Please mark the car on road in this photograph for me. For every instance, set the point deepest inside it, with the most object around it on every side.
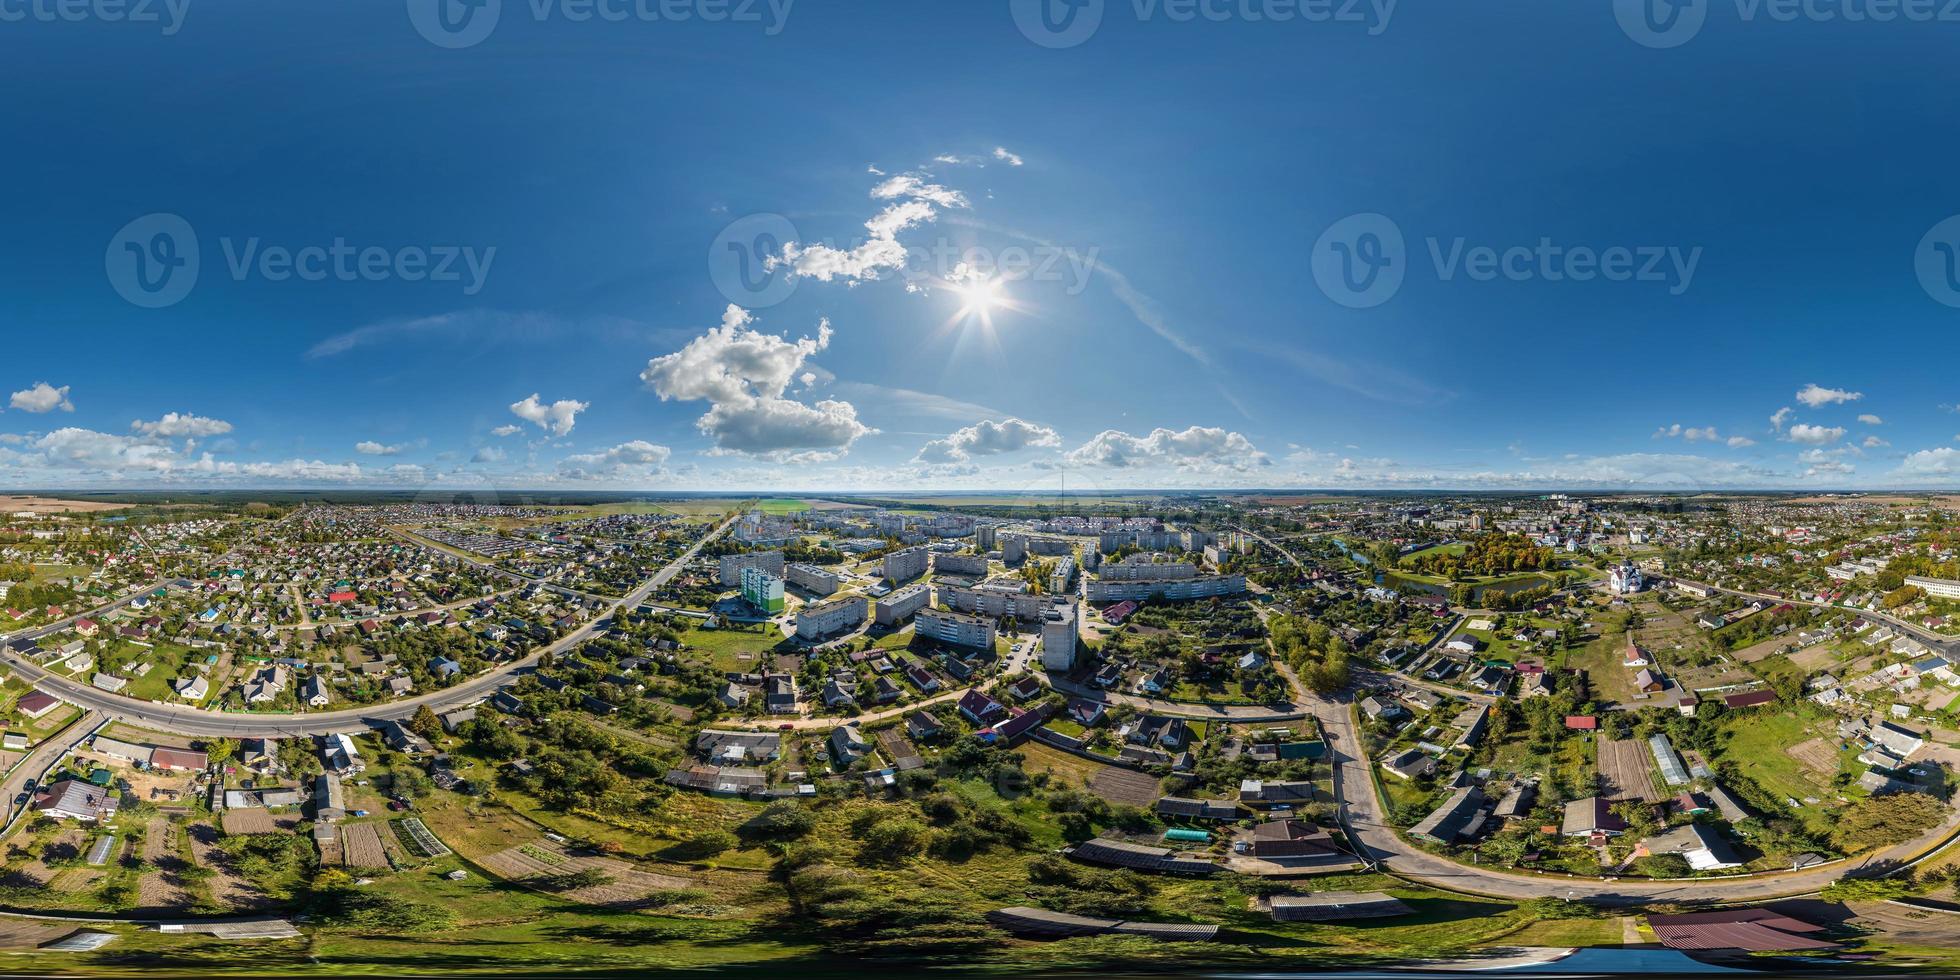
(22, 798)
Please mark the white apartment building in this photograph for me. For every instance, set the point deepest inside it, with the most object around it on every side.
(814, 622)
(893, 608)
(1060, 620)
(1015, 548)
(771, 562)
(904, 566)
(1176, 590)
(1063, 576)
(821, 581)
(956, 629)
(1938, 588)
(993, 599)
(960, 564)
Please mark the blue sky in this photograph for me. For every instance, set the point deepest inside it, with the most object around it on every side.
(1731, 272)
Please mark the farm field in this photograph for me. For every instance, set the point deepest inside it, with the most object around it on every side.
(1626, 771)
(1114, 783)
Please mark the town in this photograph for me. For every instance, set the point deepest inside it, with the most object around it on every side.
(1724, 726)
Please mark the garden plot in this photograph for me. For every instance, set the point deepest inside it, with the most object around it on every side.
(1817, 755)
(227, 888)
(250, 820)
(542, 859)
(1625, 771)
(360, 846)
(160, 888)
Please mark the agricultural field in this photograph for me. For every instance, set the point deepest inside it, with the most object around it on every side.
(1626, 771)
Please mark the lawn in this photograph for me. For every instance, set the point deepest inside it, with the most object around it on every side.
(725, 646)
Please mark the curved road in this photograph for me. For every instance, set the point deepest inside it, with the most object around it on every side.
(1364, 814)
(185, 720)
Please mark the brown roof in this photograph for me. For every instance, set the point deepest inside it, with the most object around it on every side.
(1756, 930)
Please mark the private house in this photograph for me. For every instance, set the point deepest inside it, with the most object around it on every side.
(981, 709)
(1591, 818)
(1459, 818)
(75, 799)
(1409, 764)
(314, 692)
(736, 748)
(1183, 808)
(1703, 849)
(192, 688)
(1379, 710)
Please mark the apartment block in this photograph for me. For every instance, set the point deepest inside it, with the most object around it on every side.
(817, 621)
(904, 566)
(893, 608)
(770, 562)
(821, 581)
(1060, 621)
(956, 629)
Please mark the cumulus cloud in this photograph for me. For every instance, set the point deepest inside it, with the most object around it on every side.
(557, 418)
(1011, 159)
(1871, 420)
(1874, 442)
(1944, 461)
(743, 375)
(488, 454)
(988, 438)
(1817, 396)
(1815, 435)
(1781, 417)
(42, 398)
(1677, 431)
(914, 202)
(506, 430)
(1197, 447)
(1737, 442)
(1823, 463)
(372, 448)
(638, 458)
(175, 426)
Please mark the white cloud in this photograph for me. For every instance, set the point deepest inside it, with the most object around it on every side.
(1824, 463)
(1011, 159)
(1818, 397)
(988, 438)
(488, 454)
(1871, 420)
(558, 418)
(743, 374)
(915, 202)
(1737, 442)
(1193, 448)
(372, 448)
(1676, 431)
(638, 458)
(506, 430)
(175, 426)
(1944, 461)
(41, 398)
(1781, 417)
(1815, 435)
(1874, 442)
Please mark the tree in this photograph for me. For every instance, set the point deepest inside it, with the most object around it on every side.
(892, 841)
(703, 845)
(1883, 821)
(426, 724)
(221, 750)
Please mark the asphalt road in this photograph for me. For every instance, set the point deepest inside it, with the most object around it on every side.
(1364, 814)
(186, 720)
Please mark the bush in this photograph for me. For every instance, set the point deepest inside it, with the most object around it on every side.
(702, 846)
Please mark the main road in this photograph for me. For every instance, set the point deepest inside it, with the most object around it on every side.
(186, 720)
(1363, 814)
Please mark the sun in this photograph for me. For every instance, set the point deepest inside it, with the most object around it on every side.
(980, 297)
